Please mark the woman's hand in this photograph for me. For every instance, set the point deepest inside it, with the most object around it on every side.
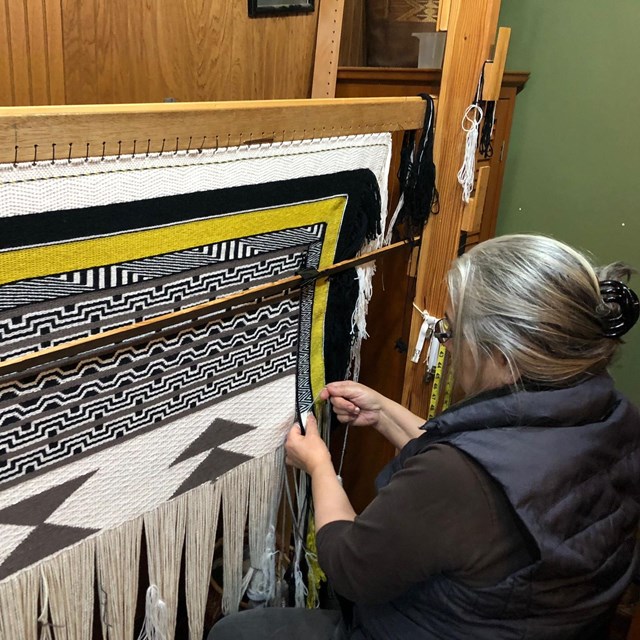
(354, 403)
(361, 406)
(307, 452)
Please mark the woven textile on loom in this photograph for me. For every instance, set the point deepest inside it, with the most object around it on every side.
(153, 436)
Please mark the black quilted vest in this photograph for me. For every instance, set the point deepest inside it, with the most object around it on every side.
(569, 462)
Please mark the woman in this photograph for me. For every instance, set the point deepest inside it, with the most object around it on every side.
(513, 514)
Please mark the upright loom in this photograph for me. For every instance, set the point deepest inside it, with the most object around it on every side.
(177, 283)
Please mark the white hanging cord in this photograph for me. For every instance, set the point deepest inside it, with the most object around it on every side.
(426, 330)
(43, 619)
(471, 125)
(394, 217)
(156, 620)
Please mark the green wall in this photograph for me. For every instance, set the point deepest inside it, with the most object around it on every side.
(573, 170)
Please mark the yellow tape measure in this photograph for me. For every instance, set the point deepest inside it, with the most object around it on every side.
(448, 389)
(437, 380)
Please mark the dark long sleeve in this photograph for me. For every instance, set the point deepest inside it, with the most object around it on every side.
(440, 513)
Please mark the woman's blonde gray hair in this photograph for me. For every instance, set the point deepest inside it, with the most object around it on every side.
(534, 302)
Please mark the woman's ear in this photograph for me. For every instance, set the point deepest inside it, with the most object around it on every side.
(497, 371)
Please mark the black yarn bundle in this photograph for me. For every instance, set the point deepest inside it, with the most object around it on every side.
(417, 176)
(485, 147)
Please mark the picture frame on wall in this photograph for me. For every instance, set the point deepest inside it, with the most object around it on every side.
(259, 8)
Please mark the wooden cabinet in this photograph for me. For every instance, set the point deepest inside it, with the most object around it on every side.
(384, 352)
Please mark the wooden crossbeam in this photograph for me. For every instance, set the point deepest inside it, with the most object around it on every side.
(45, 133)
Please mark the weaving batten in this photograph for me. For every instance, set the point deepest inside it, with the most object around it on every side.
(169, 322)
(235, 504)
(164, 532)
(117, 551)
(69, 578)
(19, 606)
(203, 510)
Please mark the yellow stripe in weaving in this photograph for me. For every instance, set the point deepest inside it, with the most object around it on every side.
(34, 262)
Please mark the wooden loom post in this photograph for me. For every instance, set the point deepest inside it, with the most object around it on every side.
(325, 66)
(471, 31)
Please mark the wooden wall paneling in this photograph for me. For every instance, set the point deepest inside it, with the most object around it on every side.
(79, 25)
(110, 40)
(31, 56)
(6, 75)
(353, 48)
(55, 51)
(117, 51)
(19, 56)
(37, 59)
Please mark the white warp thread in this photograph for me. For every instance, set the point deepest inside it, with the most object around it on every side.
(471, 125)
(43, 618)
(203, 509)
(117, 552)
(267, 474)
(365, 275)
(235, 505)
(302, 497)
(19, 606)
(164, 532)
(68, 581)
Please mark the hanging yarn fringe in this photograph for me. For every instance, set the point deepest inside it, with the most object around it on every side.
(364, 275)
(19, 606)
(299, 512)
(164, 531)
(203, 509)
(235, 503)
(118, 550)
(470, 125)
(55, 598)
(417, 177)
(485, 145)
(68, 580)
(265, 491)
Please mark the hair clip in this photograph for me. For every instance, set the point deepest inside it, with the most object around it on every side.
(616, 322)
